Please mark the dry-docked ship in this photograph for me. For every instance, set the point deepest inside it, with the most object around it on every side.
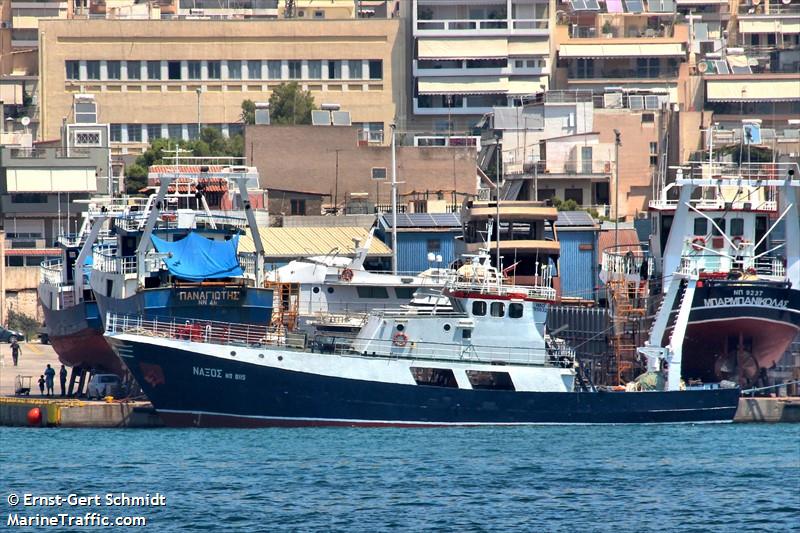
(485, 360)
(743, 283)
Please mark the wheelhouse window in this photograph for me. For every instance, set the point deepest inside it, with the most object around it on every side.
(498, 309)
(434, 377)
(482, 380)
(737, 227)
(479, 308)
(372, 292)
(701, 226)
(719, 229)
(515, 310)
(404, 293)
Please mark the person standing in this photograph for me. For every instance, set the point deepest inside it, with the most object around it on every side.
(41, 385)
(15, 351)
(49, 375)
(62, 374)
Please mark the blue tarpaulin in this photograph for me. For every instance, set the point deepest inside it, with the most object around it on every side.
(195, 258)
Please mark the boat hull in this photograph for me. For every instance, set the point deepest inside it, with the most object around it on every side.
(235, 304)
(191, 388)
(736, 329)
(76, 334)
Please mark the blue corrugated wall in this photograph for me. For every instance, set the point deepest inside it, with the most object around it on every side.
(578, 267)
(413, 248)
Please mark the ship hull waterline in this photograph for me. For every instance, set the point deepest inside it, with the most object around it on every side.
(190, 388)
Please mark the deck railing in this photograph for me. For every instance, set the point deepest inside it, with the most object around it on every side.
(258, 336)
(51, 272)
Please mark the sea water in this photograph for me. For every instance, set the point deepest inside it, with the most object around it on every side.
(545, 478)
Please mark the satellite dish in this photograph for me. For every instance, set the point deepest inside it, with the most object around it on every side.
(25, 121)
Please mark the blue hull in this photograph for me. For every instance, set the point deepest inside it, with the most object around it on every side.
(269, 396)
(236, 304)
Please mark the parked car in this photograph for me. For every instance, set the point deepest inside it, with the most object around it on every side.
(102, 385)
(9, 335)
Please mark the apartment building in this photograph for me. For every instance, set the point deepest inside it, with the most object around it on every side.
(623, 45)
(470, 56)
(168, 78)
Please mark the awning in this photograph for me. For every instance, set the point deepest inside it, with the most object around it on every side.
(529, 48)
(622, 50)
(527, 85)
(462, 48)
(768, 90)
(769, 26)
(464, 85)
(51, 180)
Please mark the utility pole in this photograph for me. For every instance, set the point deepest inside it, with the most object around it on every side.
(2, 278)
(199, 92)
(336, 186)
(617, 143)
(498, 154)
(394, 197)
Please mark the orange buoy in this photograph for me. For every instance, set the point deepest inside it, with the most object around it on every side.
(35, 417)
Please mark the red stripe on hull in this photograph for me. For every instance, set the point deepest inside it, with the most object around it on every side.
(184, 420)
(708, 351)
(87, 348)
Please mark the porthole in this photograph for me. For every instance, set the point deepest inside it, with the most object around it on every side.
(233, 354)
(400, 327)
(315, 290)
(261, 356)
(447, 327)
(280, 358)
(330, 290)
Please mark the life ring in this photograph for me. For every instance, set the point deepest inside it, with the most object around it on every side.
(400, 339)
(346, 275)
(698, 243)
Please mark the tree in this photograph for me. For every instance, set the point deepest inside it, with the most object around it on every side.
(289, 104)
(135, 178)
(248, 112)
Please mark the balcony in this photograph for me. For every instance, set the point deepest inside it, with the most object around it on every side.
(764, 9)
(480, 19)
(468, 67)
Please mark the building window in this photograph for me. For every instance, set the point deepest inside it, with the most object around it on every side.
(298, 207)
(113, 70)
(236, 128)
(175, 131)
(92, 70)
(497, 309)
(26, 198)
(547, 194)
(73, 70)
(87, 138)
(274, 69)
(194, 131)
(372, 292)
(376, 69)
(295, 70)
(315, 70)
(254, 70)
(515, 310)
(356, 70)
(648, 118)
(86, 112)
(154, 70)
(214, 70)
(134, 69)
(334, 70)
(434, 245)
(319, 14)
(574, 194)
(134, 133)
(585, 68)
(174, 70)
(234, 70)
(479, 308)
(653, 154)
(116, 133)
(194, 69)
(153, 132)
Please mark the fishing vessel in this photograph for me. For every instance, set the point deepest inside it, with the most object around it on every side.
(717, 222)
(486, 360)
(175, 259)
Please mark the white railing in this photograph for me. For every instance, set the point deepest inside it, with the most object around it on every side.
(258, 336)
(51, 272)
(717, 265)
(627, 261)
(534, 292)
(520, 25)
